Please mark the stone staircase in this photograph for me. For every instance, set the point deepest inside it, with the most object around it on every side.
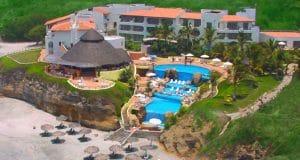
(120, 135)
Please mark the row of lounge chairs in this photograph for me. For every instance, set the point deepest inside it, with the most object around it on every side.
(177, 81)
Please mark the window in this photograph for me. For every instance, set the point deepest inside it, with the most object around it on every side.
(138, 19)
(137, 37)
(232, 26)
(208, 24)
(152, 21)
(138, 28)
(115, 24)
(246, 26)
(197, 23)
(50, 47)
(185, 22)
(296, 44)
(232, 35)
(168, 21)
(125, 27)
(59, 43)
(150, 29)
(126, 18)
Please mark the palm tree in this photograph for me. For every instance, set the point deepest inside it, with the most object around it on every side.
(186, 34)
(241, 40)
(209, 38)
(214, 75)
(163, 31)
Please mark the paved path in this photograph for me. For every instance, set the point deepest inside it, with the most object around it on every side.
(8, 48)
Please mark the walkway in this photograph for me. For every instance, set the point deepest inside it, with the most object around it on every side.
(265, 98)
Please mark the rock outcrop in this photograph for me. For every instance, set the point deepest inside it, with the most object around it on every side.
(185, 138)
(54, 98)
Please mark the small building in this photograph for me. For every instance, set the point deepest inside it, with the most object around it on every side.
(91, 55)
(291, 39)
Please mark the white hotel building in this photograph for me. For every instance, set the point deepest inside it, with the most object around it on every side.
(135, 21)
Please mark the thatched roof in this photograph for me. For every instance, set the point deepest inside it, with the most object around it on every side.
(93, 51)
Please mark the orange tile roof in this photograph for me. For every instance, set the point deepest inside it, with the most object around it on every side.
(235, 18)
(102, 10)
(57, 20)
(191, 15)
(66, 26)
(156, 12)
(283, 34)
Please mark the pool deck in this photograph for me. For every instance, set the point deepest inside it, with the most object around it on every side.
(142, 81)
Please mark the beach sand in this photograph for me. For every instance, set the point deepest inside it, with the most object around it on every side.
(20, 141)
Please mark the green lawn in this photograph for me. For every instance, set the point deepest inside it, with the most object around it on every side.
(111, 75)
(276, 126)
(118, 95)
(29, 56)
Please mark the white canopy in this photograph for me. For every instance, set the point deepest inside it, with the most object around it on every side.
(189, 55)
(150, 74)
(140, 95)
(228, 63)
(216, 60)
(281, 43)
(145, 59)
(204, 56)
(155, 121)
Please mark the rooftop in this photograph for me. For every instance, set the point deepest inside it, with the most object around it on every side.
(191, 15)
(102, 10)
(235, 18)
(59, 19)
(156, 12)
(66, 26)
(283, 34)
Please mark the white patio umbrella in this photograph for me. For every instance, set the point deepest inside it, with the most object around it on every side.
(140, 95)
(228, 63)
(281, 43)
(216, 60)
(204, 56)
(155, 121)
(189, 55)
(150, 74)
(145, 59)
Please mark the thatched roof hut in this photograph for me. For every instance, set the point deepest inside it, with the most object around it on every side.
(93, 51)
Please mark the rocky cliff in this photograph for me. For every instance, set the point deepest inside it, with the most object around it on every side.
(56, 99)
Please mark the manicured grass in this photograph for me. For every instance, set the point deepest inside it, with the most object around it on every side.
(118, 95)
(248, 93)
(111, 75)
(276, 127)
(30, 56)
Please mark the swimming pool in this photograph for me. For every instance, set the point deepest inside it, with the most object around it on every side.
(185, 72)
(161, 104)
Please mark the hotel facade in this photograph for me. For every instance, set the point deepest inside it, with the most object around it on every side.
(136, 21)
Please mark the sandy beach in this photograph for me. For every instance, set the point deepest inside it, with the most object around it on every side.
(20, 141)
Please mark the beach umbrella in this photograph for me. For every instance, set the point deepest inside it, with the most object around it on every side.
(84, 131)
(150, 74)
(74, 125)
(115, 148)
(189, 55)
(216, 60)
(131, 140)
(204, 56)
(132, 157)
(155, 121)
(57, 134)
(281, 43)
(91, 150)
(151, 139)
(140, 95)
(47, 127)
(61, 118)
(101, 156)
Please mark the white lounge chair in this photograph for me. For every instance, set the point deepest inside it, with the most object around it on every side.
(171, 81)
(175, 81)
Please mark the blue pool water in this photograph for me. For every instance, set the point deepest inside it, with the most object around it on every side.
(185, 72)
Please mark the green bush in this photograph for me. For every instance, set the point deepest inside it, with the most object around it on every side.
(133, 46)
(170, 121)
(126, 75)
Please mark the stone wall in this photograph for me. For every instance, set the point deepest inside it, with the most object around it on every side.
(56, 99)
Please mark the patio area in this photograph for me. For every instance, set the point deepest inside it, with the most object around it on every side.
(90, 83)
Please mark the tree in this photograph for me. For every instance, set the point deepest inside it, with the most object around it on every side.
(163, 32)
(214, 75)
(186, 36)
(37, 33)
(209, 38)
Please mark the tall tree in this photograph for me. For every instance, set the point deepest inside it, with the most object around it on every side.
(186, 36)
(209, 38)
(214, 75)
(163, 32)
